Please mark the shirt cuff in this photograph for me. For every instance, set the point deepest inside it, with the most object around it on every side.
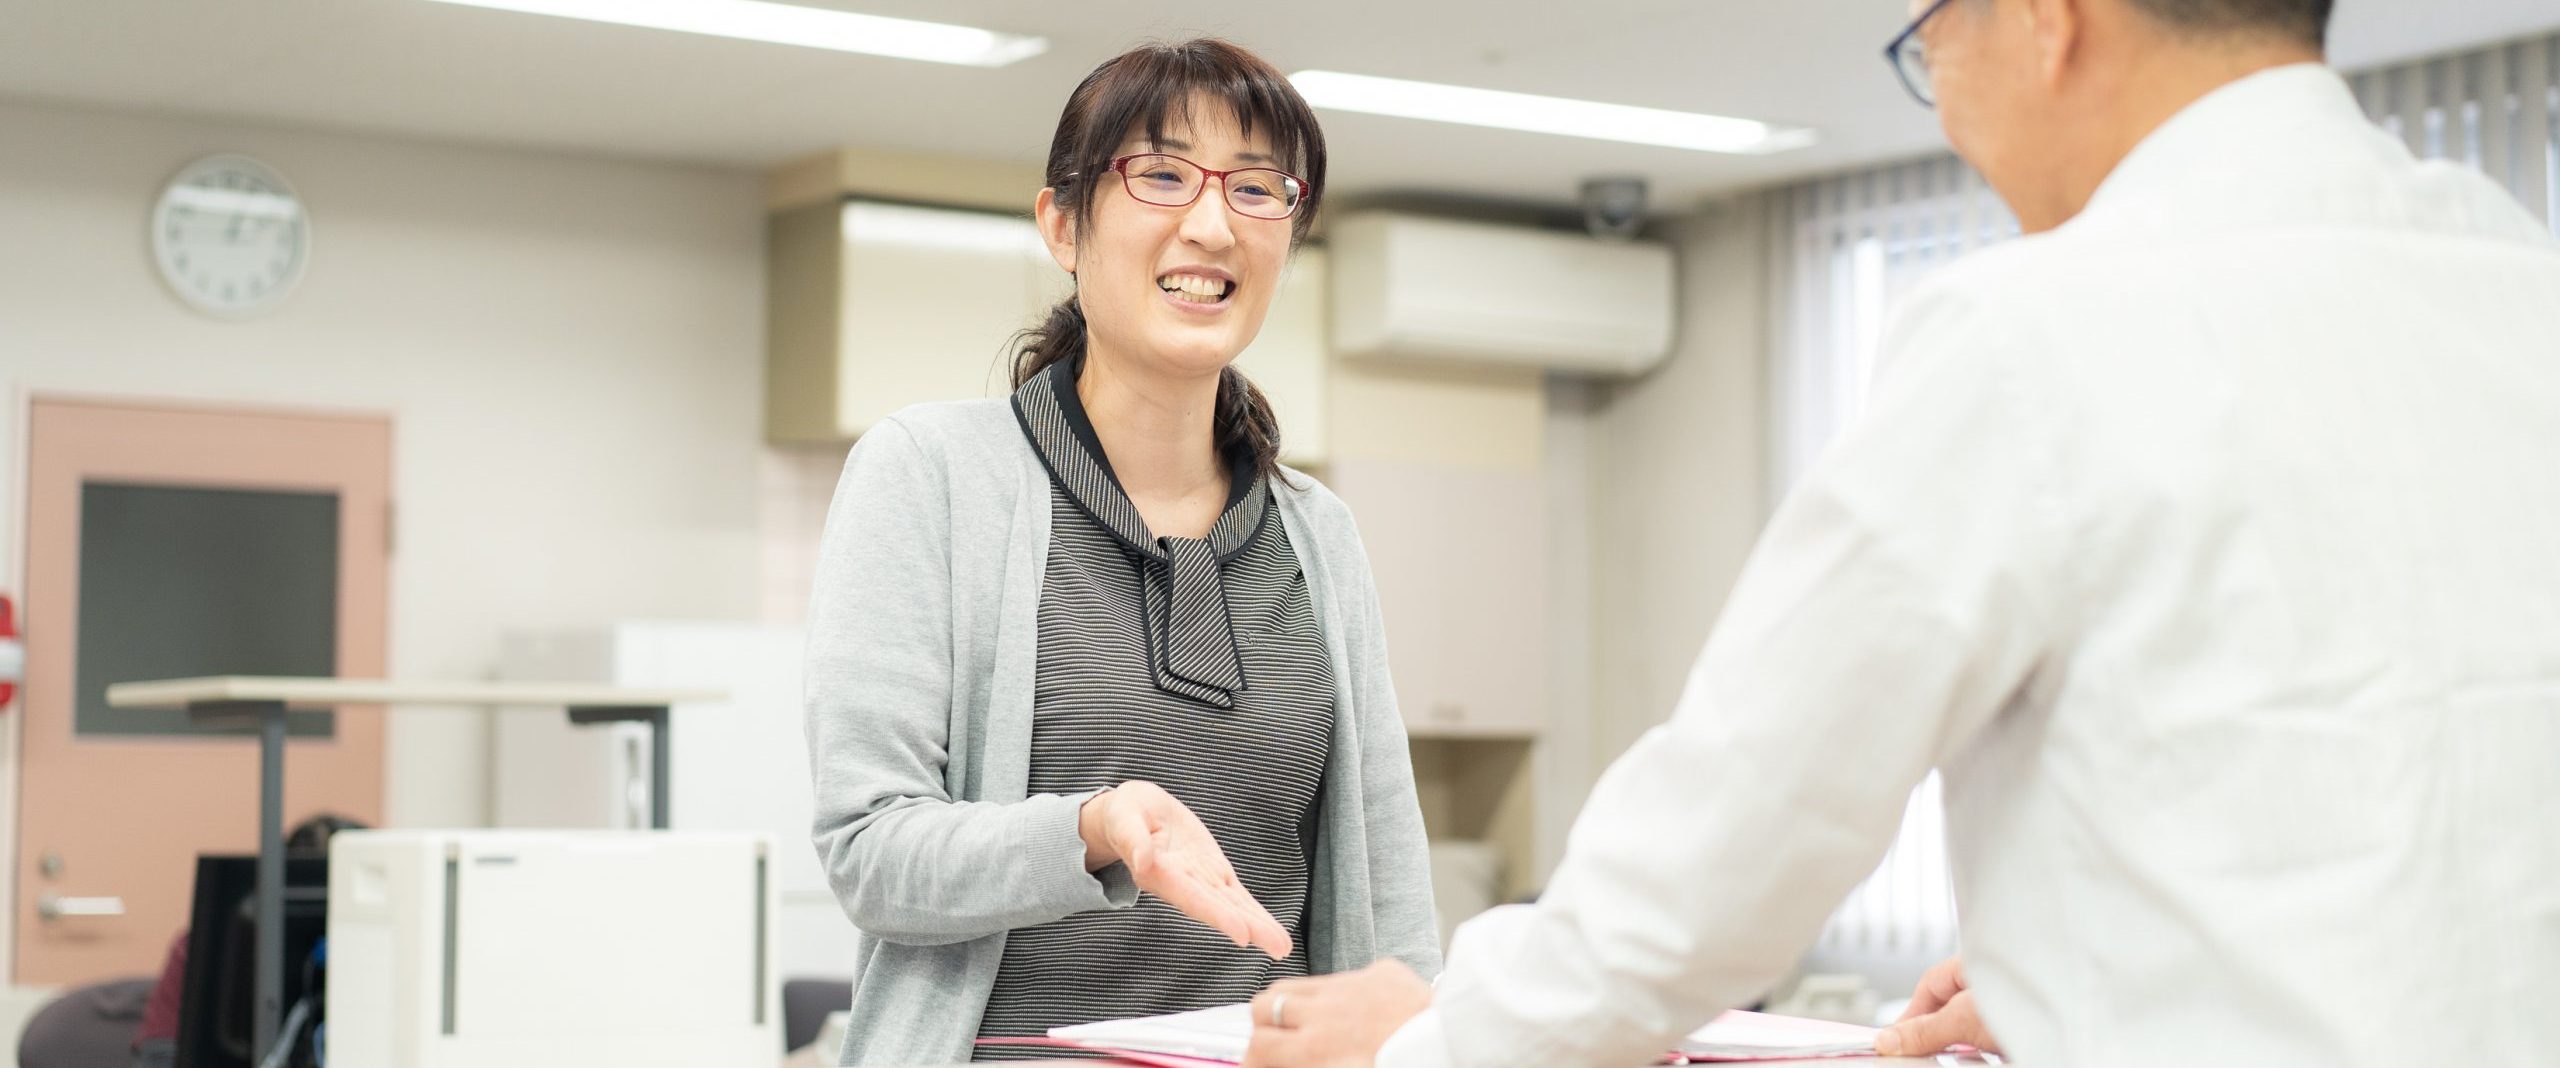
(1057, 859)
(1420, 1043)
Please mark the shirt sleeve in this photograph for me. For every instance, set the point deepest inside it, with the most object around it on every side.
(908, 862)
(1895, 604)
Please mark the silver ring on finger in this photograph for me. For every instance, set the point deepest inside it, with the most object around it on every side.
(1278, 1003)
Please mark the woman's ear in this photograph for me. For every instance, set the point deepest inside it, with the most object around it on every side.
(1057, 228)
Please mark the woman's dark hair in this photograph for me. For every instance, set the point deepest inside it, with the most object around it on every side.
(1142, 89)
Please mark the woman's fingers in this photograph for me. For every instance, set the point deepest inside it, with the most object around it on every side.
(1266, 930)
(1206, 904)
(1172, 855)
(1223, 905)
(1274, 938)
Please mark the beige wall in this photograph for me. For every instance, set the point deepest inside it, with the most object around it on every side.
(1676, 493)
(571, 350)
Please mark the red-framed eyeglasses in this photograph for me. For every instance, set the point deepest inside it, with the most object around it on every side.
(1171, 181)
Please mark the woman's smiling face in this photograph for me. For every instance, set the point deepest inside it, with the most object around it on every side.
(1180, 290)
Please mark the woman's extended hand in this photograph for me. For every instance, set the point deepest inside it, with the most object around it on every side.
(1171, 855)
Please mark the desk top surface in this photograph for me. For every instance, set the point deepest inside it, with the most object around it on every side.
(179, 693)
(1949, 1059)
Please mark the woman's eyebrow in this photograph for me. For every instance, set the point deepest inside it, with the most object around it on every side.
(1171, 145)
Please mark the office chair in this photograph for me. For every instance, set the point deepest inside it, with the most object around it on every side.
(87, 1027)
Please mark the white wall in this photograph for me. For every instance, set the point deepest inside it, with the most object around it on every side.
(571, 350)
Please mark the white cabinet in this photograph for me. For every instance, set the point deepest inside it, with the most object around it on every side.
(873, 307)
(527, 949)
(1460, 557)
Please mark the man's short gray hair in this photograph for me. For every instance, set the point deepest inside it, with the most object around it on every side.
(2302, 21)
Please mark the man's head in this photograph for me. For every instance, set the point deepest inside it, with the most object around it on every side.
(2045, 97)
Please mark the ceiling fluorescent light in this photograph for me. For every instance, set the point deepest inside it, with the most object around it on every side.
(1546, 114)
(757, 20)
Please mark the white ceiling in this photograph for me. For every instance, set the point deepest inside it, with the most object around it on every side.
(411, 68)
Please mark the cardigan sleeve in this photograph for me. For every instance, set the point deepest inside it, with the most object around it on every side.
(1401, 907)
(907, 862)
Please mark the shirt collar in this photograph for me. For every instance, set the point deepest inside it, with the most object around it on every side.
(2251, 146)
(1052, 417)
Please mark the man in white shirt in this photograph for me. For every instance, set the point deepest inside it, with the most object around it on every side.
(2208, 538)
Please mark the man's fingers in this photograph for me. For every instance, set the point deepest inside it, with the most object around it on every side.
(1267, 1011)
(1271, 1048)
(1951, 1026)
(1937, 986)
(1263, 1004)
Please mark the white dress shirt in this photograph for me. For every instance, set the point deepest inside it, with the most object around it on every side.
(2211, 545)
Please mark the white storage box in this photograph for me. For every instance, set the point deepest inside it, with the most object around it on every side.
(741, 764)
(497, 949)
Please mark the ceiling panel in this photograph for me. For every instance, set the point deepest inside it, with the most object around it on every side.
(417, 69)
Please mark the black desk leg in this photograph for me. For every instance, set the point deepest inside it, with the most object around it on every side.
(658, 768)
(270, 879)
(656, 717)
(267, 718)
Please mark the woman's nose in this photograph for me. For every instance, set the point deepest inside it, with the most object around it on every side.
(1206, 223)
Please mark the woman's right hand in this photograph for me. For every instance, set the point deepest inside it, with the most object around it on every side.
(1170, 854)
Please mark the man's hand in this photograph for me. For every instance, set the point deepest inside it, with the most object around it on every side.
(1941, 1016)
(1170, 854)
(1334, 1021)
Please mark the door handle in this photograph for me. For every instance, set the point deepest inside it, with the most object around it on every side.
(55, 906)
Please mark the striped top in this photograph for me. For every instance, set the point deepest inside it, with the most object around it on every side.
(1194, 664)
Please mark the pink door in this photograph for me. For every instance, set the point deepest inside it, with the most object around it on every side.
(171, 542)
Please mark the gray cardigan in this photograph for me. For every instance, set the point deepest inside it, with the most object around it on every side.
(923, 634)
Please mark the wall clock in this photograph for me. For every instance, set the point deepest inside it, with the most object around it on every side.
(229, 236)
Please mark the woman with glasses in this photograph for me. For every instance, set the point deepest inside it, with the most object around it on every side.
(1098, 705)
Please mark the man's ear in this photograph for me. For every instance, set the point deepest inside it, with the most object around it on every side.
(1057, 229)
(2057, 25)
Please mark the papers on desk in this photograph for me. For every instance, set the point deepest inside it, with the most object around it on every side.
(1759, 1036)
(1214, 1038)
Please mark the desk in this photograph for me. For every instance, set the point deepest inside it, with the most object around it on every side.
(1948, 1060)
(250, 705)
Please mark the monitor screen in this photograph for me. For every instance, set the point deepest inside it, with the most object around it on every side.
(222, 957)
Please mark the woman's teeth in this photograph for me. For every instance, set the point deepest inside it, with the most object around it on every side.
(1194, 288)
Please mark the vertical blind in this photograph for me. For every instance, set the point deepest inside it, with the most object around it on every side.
(1846, 247)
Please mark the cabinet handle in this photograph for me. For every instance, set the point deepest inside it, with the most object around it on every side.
(55, 907)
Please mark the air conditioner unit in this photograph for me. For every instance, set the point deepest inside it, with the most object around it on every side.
(532, 949)
(1412, 288)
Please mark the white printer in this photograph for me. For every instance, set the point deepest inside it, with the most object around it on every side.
(499, 949)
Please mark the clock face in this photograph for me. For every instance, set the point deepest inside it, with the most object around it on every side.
(230, 236)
